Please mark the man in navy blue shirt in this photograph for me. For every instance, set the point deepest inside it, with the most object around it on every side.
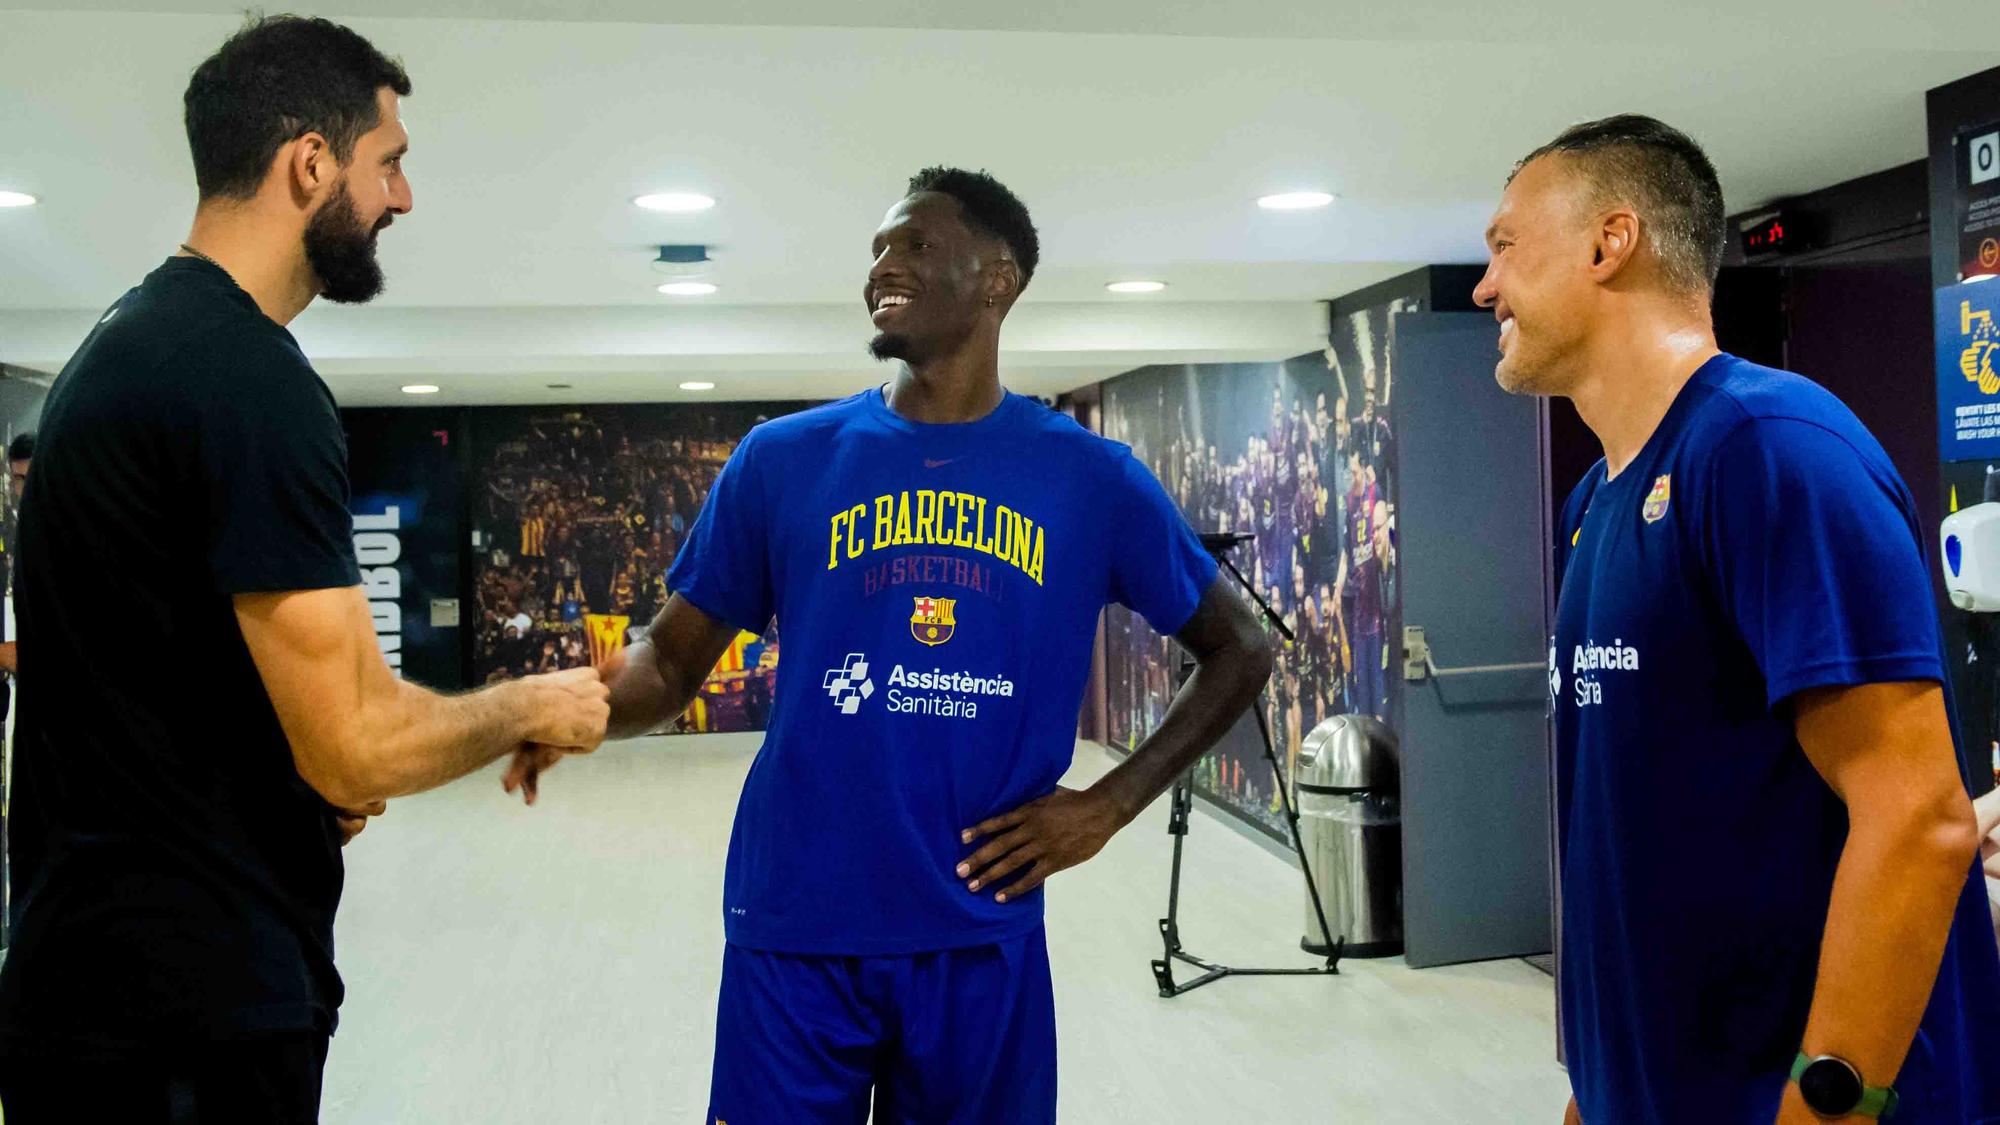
(1766, 842)
(937, 552)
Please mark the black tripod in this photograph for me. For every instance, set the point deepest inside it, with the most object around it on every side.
(1182, 802)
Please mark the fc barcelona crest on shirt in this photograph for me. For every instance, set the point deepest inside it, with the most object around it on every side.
(1656, 500)
(932, 622)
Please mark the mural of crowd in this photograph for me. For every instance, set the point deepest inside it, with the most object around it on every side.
(1303, 455)
(577, 514)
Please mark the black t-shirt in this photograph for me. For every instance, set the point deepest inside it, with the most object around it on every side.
(173, 875)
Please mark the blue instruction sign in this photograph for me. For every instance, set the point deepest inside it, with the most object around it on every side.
(1968, 371)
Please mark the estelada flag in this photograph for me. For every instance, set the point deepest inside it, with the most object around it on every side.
(607, 635)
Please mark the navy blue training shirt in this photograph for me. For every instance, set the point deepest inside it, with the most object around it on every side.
(1761, 544)
(937, 589)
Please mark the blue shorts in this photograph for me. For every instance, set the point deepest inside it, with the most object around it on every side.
(966, 1036)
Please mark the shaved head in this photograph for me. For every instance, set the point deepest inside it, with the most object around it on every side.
(1663, 176)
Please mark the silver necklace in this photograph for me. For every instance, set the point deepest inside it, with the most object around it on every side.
(213, 262)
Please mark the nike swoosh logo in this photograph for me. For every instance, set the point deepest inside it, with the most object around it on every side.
(930, 464)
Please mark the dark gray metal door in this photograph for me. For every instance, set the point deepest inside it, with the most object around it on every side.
(1472, 537)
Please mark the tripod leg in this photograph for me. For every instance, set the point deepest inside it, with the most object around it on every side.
(1298, 842)
(1179, 804)
(1163, 977)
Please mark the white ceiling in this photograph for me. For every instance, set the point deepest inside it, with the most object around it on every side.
(1139, 133)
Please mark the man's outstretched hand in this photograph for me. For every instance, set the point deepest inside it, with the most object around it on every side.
(1037, 840)
(525, 771)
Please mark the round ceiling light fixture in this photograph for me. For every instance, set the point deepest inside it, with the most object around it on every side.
(674, 202)
(17, 199)
(1295, 201)
(1136, 286)
(687, 288)
(421, 389)
(697, 386)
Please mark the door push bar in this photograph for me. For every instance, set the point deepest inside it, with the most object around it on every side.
(1418, 665)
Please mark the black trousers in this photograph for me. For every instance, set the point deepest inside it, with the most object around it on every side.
(269, 1079)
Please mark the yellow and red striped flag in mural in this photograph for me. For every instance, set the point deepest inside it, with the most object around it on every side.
(733, 658)
(607, 635)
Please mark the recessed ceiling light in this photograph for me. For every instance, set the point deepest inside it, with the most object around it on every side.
(1295, 201)
(687, 288)
(697, 386)
(1136, 286)
(16, 199)
(421, 389)
(676, 202)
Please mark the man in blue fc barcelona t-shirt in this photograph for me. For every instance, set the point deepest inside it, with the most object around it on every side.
(936, 552)
(1767, 847)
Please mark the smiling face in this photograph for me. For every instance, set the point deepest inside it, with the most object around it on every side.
(934, 280)
(370, 191)
(1539, 281)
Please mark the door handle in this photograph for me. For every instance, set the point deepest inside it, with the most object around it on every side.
(1419, 666)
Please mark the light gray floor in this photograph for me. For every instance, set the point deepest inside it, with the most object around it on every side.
(560, 964)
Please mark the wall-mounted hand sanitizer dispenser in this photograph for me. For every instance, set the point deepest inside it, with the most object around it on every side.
(1972, 558)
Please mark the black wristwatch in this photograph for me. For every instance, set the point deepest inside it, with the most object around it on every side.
(1833, 1089)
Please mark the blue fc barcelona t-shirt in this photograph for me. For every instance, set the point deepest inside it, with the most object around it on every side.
(1761, 544)
(937, 590)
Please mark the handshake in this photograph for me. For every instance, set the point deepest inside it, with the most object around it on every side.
(566, 713)
(537, 719)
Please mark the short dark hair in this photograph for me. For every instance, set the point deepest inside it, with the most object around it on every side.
(1664, 175)
(989, 209)
(22, 448)
(274, 81)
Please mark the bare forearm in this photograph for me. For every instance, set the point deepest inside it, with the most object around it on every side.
(649, 690)
(1894, 894)
(421, 739)
(359, 735)
(1214, 697)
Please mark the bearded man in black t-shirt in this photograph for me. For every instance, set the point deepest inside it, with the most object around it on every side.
(177, 823)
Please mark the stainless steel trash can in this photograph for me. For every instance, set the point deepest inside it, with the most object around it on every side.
(1351, 823)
